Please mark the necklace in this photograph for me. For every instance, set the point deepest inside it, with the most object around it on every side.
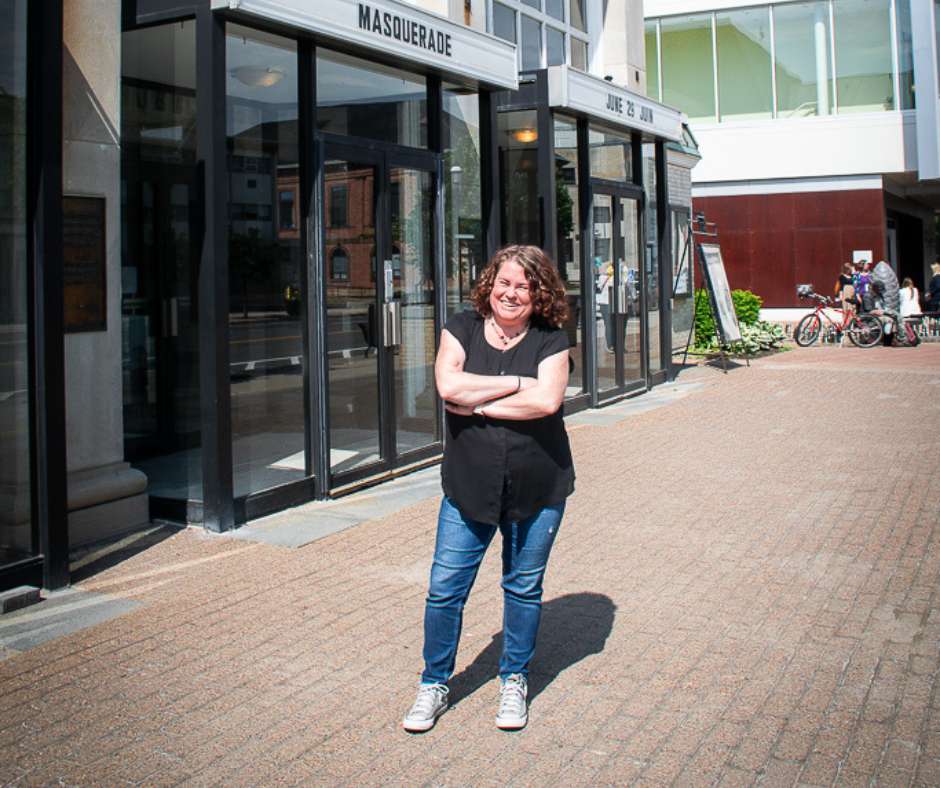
(507, 338)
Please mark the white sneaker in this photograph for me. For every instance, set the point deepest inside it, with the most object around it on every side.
(513, 709)
(430, 704)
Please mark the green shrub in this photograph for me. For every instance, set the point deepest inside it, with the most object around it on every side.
(756, 334)
(746, 306)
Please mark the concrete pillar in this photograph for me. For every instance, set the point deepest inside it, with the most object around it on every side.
(106, 496)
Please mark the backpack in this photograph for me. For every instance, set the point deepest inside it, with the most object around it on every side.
(912, 338)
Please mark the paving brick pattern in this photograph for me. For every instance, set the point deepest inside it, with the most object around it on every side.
(744, 593)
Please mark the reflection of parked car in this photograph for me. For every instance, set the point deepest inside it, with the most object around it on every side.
(292, 300)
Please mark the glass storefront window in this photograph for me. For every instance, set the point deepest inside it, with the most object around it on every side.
(652, 60)
(611, 156)
(463, 213)
(863, 56)
(16, 541)
(567, 224)
(683, 265)
(358, 98)
(745, 89)
(531, 43)
(688, 75)
(651, 256)
(519, 177)
(159, 252)
(803, 59)
(265, 330)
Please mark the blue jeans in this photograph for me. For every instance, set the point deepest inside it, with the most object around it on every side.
(458, 553)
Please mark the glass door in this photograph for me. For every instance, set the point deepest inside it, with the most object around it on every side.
(160, 368)
(380, 312)
(618, 292)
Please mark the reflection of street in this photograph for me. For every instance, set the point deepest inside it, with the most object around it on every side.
(261, 343)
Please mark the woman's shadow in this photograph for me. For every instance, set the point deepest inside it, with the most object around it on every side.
(573, 627)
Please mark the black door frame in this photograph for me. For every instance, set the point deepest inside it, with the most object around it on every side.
(616, 191)
(383, 158)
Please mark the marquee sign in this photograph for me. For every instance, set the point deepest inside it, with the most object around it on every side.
(408, 32)
(574, 90)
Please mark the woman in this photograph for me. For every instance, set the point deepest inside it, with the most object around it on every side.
(910, 298)
(845, 289)
(502, 370)
(933, 288)
(604, 286)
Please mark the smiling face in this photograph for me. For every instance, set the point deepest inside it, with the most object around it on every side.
(510, 299)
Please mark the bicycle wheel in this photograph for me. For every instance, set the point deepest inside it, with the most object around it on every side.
(807, 330)
(865, 330)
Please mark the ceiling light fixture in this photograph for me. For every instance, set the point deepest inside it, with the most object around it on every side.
(524, 135)
(258, 76)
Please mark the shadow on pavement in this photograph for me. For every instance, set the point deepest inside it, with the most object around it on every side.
(573, 627)
(98, 558)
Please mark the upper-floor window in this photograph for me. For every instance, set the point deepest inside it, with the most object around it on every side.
(783, 60)
(339, 206)
(546, 32)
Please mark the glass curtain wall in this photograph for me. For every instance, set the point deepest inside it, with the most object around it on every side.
(862, 34)
(265, 328)
(653, 314)
(159, 250)
(463, 212)
(803, 65)
(744, 64)
(785, 60)
(688, 74)
(905, 46)
(567, 227)
(16, 539)
(541, 32)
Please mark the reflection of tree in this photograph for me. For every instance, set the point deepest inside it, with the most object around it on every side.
(463, 213)
(251, 260)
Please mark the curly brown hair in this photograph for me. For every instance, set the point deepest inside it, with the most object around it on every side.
(549, 298)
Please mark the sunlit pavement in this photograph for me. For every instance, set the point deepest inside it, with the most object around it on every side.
(743, 593)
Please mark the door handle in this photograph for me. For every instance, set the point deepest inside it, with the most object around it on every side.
(623, 295)
(392, 314)
(170, 318)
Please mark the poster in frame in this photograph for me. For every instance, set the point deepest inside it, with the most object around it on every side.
(719, 293)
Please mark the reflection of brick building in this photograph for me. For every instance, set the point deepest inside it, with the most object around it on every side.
(349, 196)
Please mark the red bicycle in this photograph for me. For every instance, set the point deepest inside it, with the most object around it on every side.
(865, 330)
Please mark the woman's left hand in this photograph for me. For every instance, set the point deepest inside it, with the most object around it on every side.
(460, 410)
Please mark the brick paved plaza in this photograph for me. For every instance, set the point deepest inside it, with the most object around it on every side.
(744, 593)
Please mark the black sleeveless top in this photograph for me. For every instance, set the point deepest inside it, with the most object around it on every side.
(528, 461)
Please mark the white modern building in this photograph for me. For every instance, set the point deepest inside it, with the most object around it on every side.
(818, 128)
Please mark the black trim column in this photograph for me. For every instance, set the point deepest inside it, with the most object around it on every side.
(588, 272)
(489, 174)
(545, 126)
(665, 257)
(48, 454)
(312, 283)
(214, 377)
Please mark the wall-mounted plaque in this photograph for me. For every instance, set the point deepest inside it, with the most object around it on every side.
(84, 259)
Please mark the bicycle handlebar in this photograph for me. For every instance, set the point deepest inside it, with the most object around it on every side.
(812, 294)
